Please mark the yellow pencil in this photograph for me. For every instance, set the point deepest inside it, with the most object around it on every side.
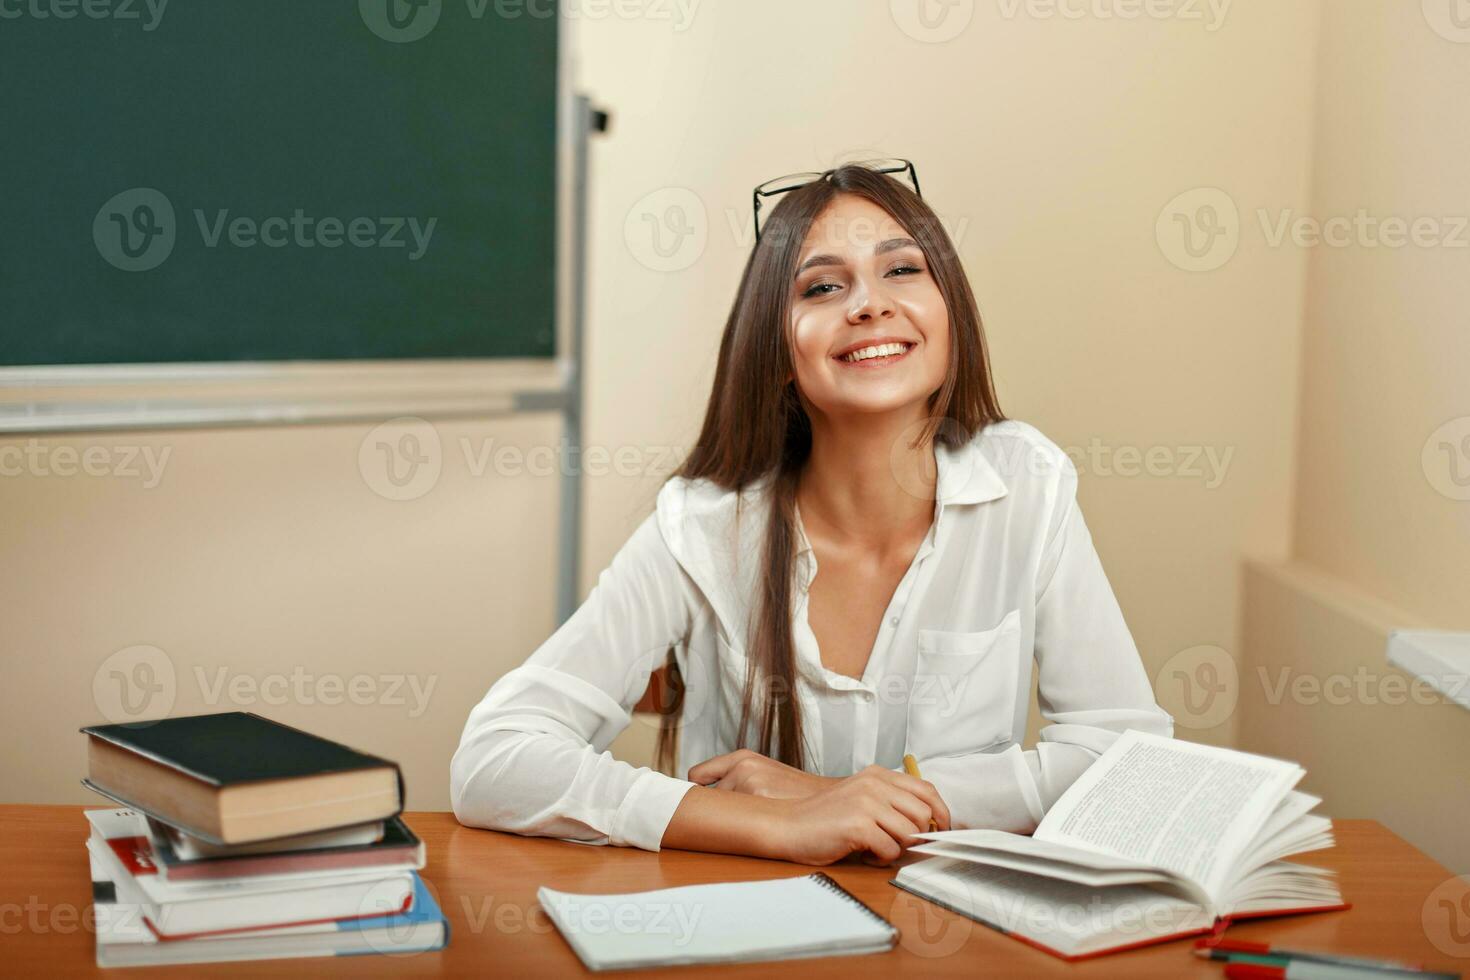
(911, 766)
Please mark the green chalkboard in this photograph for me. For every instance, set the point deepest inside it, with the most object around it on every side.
(227, 180)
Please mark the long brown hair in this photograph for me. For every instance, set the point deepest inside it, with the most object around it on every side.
(755, 427)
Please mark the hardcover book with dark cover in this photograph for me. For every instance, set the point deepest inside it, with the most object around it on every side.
(236, 777)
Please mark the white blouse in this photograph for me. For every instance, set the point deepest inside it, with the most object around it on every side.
(1007, 576)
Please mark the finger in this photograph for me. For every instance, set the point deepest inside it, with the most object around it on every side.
(916, 809)
(899, 827)
(925, 791)
(881, 845)
(710, 770)
(937, 807)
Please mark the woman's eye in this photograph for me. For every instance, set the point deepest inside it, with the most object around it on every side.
(827, 288)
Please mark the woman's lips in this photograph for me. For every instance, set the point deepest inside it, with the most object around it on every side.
(871, 363)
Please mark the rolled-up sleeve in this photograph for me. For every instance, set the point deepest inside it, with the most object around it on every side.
(1092, 687)
(533, 756)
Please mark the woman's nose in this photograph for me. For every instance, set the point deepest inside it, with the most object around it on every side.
(870, 301)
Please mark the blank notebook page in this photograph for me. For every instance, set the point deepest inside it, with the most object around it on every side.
(724, 923)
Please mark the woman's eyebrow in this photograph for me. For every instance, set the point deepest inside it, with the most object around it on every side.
(817, 260)
(885, 246)
(894, 243)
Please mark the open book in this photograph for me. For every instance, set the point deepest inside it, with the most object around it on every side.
(1157, 839)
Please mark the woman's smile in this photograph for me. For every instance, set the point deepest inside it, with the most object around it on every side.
(877, 353)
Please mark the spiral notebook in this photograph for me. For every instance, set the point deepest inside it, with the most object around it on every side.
(735, 922)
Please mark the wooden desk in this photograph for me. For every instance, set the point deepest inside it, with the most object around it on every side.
(486, 883)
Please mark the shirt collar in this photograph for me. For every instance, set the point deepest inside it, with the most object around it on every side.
(723, 553)
(965, 477)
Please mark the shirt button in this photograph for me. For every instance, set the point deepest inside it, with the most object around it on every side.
(893, 621)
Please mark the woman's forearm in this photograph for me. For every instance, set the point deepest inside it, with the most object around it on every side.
(727, 823)
(876, 811)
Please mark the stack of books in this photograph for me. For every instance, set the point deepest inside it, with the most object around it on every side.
(244, 839)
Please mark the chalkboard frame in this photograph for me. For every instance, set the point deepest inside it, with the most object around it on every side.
(40, 399)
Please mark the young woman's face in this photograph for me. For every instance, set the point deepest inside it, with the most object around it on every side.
(869, 328)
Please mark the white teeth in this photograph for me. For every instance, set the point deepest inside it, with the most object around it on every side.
(878, 350)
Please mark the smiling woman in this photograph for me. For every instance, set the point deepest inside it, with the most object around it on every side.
(852, 427)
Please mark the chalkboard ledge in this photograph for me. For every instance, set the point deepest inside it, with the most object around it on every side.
(168, 396)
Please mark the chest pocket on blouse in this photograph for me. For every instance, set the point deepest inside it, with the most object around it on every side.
(963, 698)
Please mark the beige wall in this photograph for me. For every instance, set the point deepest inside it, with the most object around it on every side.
(270, 577)
(1382, 513)
(1051, 145)
(1386, 343)
(1375, 742)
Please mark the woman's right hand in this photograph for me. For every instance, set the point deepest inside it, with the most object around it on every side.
(877, 811)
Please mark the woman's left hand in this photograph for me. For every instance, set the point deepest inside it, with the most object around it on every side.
(744, 771)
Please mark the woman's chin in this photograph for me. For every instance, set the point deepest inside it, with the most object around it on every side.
(872, 404)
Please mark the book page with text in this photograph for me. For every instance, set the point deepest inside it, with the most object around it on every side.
(1191, 809)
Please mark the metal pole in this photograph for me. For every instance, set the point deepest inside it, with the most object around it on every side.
(586, 121)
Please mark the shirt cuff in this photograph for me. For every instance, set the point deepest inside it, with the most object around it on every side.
(993, 791)
(647, 809)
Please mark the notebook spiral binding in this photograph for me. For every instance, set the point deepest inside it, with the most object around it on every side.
(826, 881)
